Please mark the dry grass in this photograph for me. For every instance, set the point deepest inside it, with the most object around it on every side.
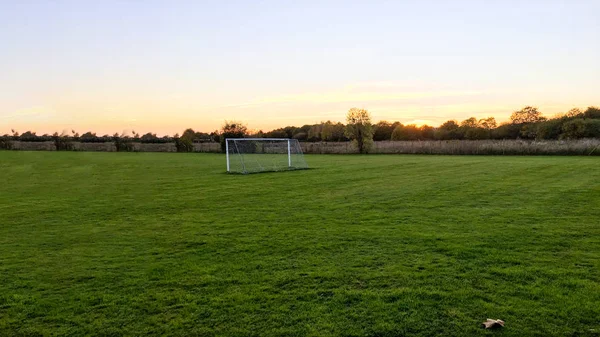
(467, 147)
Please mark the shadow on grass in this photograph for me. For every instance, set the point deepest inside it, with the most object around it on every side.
(269, 172)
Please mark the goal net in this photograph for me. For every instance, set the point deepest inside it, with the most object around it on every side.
(251, 155)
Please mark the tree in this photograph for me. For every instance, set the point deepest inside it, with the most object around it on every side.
(332, 132)
(148, 138)
(592, 112)
(301, 136)
(528, 114)
(470, 123)
(488, 123)
(28, 136)
(314, 133)
(448, 130)
(574, 113)
(383, 130)
(427, 132)
(581, 128)
(550, 129)
(471, 129)
(359, 128)
(185, 143)
(232, 129)
(406, 132)
(89, 137)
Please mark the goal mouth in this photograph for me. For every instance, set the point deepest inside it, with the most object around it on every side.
(257, 155)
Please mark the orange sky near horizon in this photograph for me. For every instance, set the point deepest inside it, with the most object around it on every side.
(172, 113)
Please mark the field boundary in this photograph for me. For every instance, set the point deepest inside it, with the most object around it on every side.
(580, 147)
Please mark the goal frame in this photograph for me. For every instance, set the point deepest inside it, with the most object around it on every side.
(288, 140)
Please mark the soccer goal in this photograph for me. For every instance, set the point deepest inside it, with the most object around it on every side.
(252, 155)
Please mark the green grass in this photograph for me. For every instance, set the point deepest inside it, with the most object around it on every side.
(167, 244)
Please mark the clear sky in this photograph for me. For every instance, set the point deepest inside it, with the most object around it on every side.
(163, 66)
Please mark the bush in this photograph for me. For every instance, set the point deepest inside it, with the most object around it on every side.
(32, 137)
(507, 131)
(90, 137)
(6, 142)
(184, 144)
(550, 129)
(302, 136)
(474, 133)
(581, 128)
(62, 142)
(123, 143)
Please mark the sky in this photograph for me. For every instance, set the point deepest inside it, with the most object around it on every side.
(163, 66)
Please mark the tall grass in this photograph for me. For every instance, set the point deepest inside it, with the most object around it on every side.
(578, 147)
(467, 147)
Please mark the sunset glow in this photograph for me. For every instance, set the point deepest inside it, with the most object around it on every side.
(165, 68)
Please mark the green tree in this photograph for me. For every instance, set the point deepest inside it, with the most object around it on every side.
(232, 129)
(359, 128)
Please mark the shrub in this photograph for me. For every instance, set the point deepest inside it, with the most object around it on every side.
(184, 144)
(507, 131)
(550, 129)
(123, 143)
(6, 142)
(90, 137)
(581, 128)
(62, 142)
(301, 136)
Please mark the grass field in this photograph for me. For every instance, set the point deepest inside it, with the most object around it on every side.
(167, 244)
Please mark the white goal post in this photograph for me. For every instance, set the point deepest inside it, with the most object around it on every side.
(252, 155)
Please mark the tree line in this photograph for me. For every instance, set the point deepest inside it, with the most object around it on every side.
(527, 123)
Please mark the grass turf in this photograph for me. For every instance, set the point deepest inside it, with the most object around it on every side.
(167, 244)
